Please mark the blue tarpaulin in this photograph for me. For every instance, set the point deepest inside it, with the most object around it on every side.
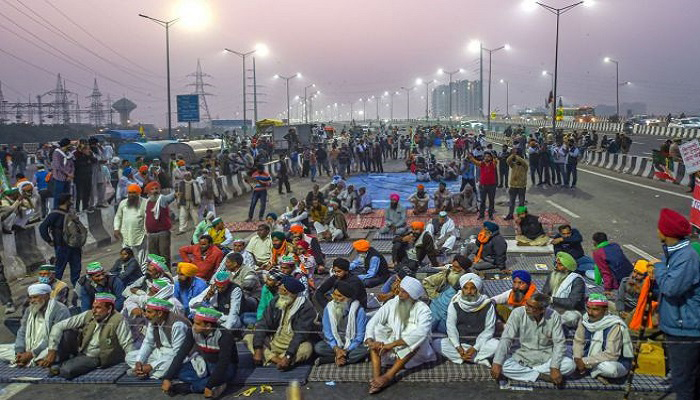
(124, 134)
(381, 186)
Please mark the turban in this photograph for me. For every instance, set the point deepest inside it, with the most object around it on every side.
(10, 191)
(471, 277)
(143, 168)
(38, 289)
(597, 299)
(133, 188)
(151, 185)
(346, 289)
(420, 225)
(333, 202)
(47, 267)
(521, 209)
(296, 229)
(272, 215)
(641, 266)
(278, 235)
(421, 187)
(361, 246)
(157, 261)
(94, 268)
(442, 214)
(180, 163)
(673, 224)
(293, 285)
(491, 226)
(187, 269)
(522, 275)
(275, 274)
(567, 260)
(217, 220)
(105, 298)
(239, 240)
(341, 264)
(158, 284)
(463, 262)
(159, 304)
(63, 142)
(210, 216)
(288, 260)
(303, 245)
(207, 314)
(413, 287)
(127, 171)
(222, 277)
(394, 197)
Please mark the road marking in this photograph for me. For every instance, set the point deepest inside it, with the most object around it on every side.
(12, 389)
(637, 143)
(567, 211)
(648, 153)
(639, 251)
(685, 196)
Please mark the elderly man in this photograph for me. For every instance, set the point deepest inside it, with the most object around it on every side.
(298, 234)
(225, 297)
(241, 274)
(348, 199)
(261, 245)
(471, 325)
(340, 273)
(602, 343)
(105, 339)
(220, 234)
(445, 232)
(442, 198)
(489, 251)
(395, 217)
(541, 355)
(188, 285)
(411, 249)
(630, 287)
(364, 202)
(441, 288)
(167, 331)
(204, 255)
(96, 281)
(60, 291)
(465, 200)
(215, 363)
(158, 222)
(531, 231)
(567, 290)
(239, 246)
(188, 198)
(135, 306)
(282, 336)
(344, 321)
(31, 343)
(371, 265)
(420, 200)
(398, 335)
(335, 227)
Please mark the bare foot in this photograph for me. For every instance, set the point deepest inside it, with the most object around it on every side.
(602, 380)
(378, 384)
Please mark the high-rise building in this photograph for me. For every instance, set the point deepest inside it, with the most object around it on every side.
(465, 99)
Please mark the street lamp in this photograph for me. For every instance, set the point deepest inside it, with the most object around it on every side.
(408, 101)
(306, 113)
(450, 73)
(243, 56)
(483, 49)
(391, 102)
(364, 109)
(166, 25)
(286, 81)
(419, 82)
(558, 12)
(507, 100)
(617, 84)
(551, 75)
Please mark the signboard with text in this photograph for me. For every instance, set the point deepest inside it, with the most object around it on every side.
(188, 108)
(690, 152)
(695, 205)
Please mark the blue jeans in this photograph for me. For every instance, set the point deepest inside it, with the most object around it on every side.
(58, 188)
(197, 384)
(386, 288)
(564, 180)
(258, 195)
(313, 173)
(572, 173)
(684, 357)
(68, 255)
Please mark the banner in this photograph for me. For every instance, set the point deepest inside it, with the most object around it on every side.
(690, 152)
(695, 205)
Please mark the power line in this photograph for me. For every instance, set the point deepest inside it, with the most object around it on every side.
(40, 68)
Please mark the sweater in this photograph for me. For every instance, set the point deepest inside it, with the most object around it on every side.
(302, 324)
(612, 263)
(678, 280)
(518, 171)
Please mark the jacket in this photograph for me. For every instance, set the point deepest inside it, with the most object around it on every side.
(678, 280)
(302, 323)
(531, 227)
(207, 262)
(495, 251)
(571, 244)
(612, 263)
(51, 229)
(518, 171)
(56, 312)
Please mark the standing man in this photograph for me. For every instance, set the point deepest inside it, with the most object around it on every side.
(51, 230)
(130, 223)
(189, 198)
(518, 181)
(283, 175)
(487, 182)
(62, 170)
(260, 180)
(158, 221)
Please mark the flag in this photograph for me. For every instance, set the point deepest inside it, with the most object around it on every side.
(4, 182)
(549, 100)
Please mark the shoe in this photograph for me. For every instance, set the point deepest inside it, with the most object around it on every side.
(9, 308)
(90, 210)
(249, 220)
(218, 391)
(508, 217)
(180, 233)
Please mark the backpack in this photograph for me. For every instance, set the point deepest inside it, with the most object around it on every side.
(74, 232)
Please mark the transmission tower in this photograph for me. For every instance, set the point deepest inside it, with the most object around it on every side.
(96, 111)
(200, 89)
(61, 105)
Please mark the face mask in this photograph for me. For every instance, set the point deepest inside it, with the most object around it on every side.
(330, 209)
(44, 279)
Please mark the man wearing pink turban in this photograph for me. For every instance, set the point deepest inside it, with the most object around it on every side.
(395, 217)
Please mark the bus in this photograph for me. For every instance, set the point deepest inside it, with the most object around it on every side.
(576, 114)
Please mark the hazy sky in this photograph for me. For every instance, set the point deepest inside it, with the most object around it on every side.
(352, 49)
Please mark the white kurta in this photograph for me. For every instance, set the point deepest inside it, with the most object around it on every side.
(447, 234)
(159, 358)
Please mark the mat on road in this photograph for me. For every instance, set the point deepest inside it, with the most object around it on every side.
(444, 371)
(41, 375)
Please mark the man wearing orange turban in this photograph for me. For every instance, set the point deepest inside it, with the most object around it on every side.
(410, 250)
(129, 222)
(373, 268)
(420, 200)
(158, 222)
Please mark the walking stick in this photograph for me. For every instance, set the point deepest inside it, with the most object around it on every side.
(640, 339)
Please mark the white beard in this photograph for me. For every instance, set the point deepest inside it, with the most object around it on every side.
(284, 301)
(556, 279)
(339, 309)
(403, 310)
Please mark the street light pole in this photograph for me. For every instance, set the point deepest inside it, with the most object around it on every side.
(408, 101)
(490, 51)
(286, 80)
(558, 12)
(243, 56)
(617, 85)
(427, 96)
(255, 93)
(166, 25)
(507, 102)
(306, 113)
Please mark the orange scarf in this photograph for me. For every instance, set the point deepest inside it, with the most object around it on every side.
(482, 238)
(276, 253)
(530, 291)
(638, 316)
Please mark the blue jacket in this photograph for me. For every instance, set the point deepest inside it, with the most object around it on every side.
(184, 296)
(678, 279)
(360, 327)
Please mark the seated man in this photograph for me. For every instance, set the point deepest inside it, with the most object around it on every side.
(411, 250)
(569, 240)
(522, 290)
(167, 331)
(315, 194)
(225, 297)
(203, 226)
(445, 232)
(248, 257)
(602, 343)
(442, 198)
(241, 274)
(274, 222)
(490, 249)
(215, 364)
(340, 273)
(204, 255)
(567, 290)
(188, 285)
(335, 227)
(282, 336)
(422, 175)
(135, 306)
(106, 338)
(344, 321)
(271, 279)
(156, 268)
(541, 355)
(628, 293)
(471, 325)
(261, 245)
(420, 200)
(348, 199)
(318, 212)
(60, 291)
(127, 267)
(531, 231)
(95, 281)
(398, 335)
(314, 246)
(441, 288)
(612, 263)
(370, 264)
(280, 247)
(364, 202)
(394, 217)
(465, 201)
(31, 343)
(220, 235)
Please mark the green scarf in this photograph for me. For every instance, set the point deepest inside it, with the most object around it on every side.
(602, 244)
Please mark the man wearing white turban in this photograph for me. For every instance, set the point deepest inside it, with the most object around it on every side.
(399, 334)
(33, 335)
(471, 323)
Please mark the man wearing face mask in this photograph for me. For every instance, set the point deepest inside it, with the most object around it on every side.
(97, 281)
(335, 226)
(60, 291)
(31, 343)
(395, 217)
(489, 250)
(188, 285)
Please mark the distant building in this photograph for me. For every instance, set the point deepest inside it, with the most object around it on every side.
(465, 99)
(626, 109)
